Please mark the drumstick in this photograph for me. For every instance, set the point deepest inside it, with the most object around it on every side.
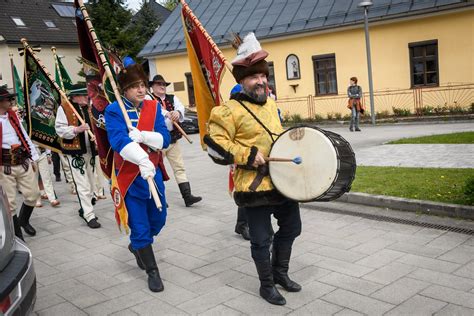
(297, 160)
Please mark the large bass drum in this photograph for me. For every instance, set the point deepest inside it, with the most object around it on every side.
(327, 169)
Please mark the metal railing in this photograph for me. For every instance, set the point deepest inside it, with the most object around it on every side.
(418, 101)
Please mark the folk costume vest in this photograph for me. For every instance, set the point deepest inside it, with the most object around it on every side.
(168, 105)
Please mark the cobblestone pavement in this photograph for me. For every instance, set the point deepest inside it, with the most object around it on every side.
(347, 265)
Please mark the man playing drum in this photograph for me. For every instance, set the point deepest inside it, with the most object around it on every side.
(241, 132)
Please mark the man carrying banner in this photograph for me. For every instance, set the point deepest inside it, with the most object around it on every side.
(79, 150)
(17, 158)
(136, 158)
(173, 110)
(241, 132)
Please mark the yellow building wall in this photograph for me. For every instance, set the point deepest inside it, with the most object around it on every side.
(390, 59)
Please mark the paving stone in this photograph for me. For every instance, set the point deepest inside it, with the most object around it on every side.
(380, 258)
(450, 295)
(216, 281)
(432, 264)
(451, 310)
(253, 305)
(417, 305)
(186, 262)
(309, 274)
(461, 254)
(466, 270)
(426, 251)
(221, 310)
(124, 288)
(444, 279)
(448, 240)
(220, 266)
(309, 293)
(98, 281)
(349, 283)
(340, 254)
(46, 301)
(125, 312)
(347, 312)
(343, 267)
(389, 273)
(317, 307)
(334, 242)
(173, 294)
(179, 276)
(61, 309)
(210, 300)
(357, 302)
(156, 307)
(400, 290)
(372, 246)
(118, 304)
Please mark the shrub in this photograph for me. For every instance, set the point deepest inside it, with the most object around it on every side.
(456, 109)
(286, 117)
(401, 111)
(382, 114)
(296, 118)
(469, 190)
(440, 110)
(472, 107)
(337, 116)
(330, 116)
(318, 118)
(426, 110)
(347, 117)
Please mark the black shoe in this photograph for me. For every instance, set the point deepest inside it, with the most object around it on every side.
(351, 129)
(148, 259)
(280, 264)
(16, 226)
(93, 201)
(135, 253)
(189, 199)
(58, 178)
(267, 287)
(24, 219)
(244, 231)
(358, 129)
(93, 223)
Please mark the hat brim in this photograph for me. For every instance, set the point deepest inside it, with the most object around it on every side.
(150, 83)
(8, 96)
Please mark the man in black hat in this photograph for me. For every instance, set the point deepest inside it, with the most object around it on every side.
(79, 150)
(173, 110)
(17, 164)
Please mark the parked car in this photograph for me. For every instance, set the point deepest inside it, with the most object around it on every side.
(17, 274)
(190, 123)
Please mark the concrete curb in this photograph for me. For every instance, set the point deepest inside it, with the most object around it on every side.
(409, 205)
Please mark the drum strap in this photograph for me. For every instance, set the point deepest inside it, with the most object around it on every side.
(258, 121)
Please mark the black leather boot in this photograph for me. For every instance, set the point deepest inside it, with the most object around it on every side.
(188, 198)
(267, 287)
(16, 226)
(24, 219)
(148, 259)
(135, 253)
(280, 264)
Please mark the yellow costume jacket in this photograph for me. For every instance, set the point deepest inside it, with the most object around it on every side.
(234, 137)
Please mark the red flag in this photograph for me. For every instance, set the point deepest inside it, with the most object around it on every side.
(98, 89)
(207, 66)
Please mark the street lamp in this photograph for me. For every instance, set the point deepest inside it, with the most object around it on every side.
(366, 5)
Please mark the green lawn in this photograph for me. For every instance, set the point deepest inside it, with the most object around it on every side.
(455, 138)
(434, 184)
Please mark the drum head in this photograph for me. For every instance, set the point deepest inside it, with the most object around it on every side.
(318, 170)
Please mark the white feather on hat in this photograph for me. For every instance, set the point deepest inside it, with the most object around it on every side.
(249, 46)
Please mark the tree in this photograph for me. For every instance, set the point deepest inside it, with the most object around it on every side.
(169, 4)
(110, 19)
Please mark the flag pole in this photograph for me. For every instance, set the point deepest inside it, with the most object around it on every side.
(118, 97)
(61, 92)
(208, 37)
(56, 64)
(13, 69)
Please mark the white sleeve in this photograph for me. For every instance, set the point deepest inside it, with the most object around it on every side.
(61, 125)
(178, 106)
(34, 152)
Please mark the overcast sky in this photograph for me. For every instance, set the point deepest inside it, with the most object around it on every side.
(133, 4)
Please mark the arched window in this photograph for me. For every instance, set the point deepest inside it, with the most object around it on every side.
(292, 67)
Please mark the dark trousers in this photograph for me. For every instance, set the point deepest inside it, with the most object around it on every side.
(261, 232)
(56, 164)
(241, 219)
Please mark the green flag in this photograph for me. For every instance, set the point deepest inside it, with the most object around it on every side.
(20, 99)
(62, 77)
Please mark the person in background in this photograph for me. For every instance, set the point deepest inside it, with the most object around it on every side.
(354, 92)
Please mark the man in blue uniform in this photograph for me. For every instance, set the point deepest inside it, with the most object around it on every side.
(137, 158)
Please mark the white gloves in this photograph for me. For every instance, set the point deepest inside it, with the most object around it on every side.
(151, 139)
(135, 154)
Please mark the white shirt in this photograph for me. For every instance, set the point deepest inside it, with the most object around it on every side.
(178, 106)
(66, 131)
(9, 136)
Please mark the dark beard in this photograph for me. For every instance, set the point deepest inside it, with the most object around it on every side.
(259, 98)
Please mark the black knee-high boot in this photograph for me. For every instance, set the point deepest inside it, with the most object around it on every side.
(16, 226)
(267, 287)
(280, 264)
(148, 259)
(188, 198)
(137, 257)
(25, 214)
